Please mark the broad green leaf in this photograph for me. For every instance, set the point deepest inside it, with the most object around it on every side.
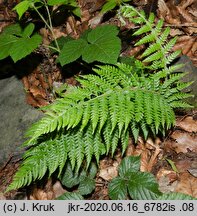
(175, 196)
(6, 42)
(14, 29)
(72, 51)
(28, 30)
(69, 177)
(129, 164)
(72, 3)
(118, 189)
(61, 41)
(109, 6)
(104, 45)
(86, 186)
(92, 171)
(24, 46)
(142, 186)
(22, 7)
(56, 2)
(70, 196)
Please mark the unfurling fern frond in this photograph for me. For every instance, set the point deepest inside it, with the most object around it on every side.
(93, 119)
(158, 53)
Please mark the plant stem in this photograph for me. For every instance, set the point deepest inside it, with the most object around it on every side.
(51, 47)
(49, 26)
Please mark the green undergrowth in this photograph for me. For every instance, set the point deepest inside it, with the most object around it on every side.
(116, 102)
(130, 183)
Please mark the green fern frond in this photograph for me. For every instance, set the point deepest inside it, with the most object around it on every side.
(38, 160)
(107, 108)
(93, 125)
(158, 53)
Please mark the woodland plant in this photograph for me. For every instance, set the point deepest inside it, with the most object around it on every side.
(118, 101)
(100, 44)
(130, 183)
(18, 42)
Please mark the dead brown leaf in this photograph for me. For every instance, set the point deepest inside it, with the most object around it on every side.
(188, 124)
(36, 91)
(49, 190)
(42, 193)
(108, 172)
(183, 165)
(167, 180)
(149, 153)
(193, 169)
(31, 100)
(187, 184)
(184, 142)
(181, 17)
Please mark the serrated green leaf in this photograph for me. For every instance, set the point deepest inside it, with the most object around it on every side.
(70, 196)
(69, 178)
(71, 51)
(142, 186)
(86, 186)
(129, 164)
(104, 45)
(28, 30)
(92, 170)
(22, 7)
(175, 196)
(118, 189)
(24, 46)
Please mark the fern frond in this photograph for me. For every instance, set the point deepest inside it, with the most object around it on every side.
(39, 159)
(158, 52)
(145, 39)
(151, 49)
(92, 123)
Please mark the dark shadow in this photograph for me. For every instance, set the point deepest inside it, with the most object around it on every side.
(21, 68)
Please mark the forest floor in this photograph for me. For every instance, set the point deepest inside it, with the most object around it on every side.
(172, 159)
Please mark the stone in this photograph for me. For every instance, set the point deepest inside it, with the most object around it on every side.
(15, 117)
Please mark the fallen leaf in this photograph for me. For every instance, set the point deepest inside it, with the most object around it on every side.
(184, 142)
(193, 169)
(187, 184)
(188, 124)
(167, 180)
(109, 172)
(42, 193)
(58, 189)
(36, 92)
(193, 172)
(183, 165)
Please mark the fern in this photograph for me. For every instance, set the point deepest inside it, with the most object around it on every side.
(158, 52)
(94, 118)
(106, 109)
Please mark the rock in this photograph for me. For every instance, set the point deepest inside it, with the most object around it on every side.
(191, 76)
(15, 117)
